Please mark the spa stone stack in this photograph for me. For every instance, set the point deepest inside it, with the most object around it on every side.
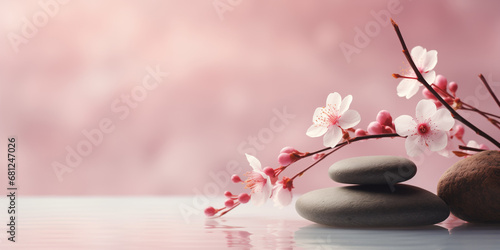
(376, 199)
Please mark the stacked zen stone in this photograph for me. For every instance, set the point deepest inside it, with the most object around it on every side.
(376, 200)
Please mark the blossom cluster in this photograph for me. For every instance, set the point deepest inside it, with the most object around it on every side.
(432, 128)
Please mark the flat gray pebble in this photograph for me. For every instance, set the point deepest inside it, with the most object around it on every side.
(373, 170)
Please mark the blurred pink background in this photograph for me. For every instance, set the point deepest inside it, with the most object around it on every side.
(227, 73)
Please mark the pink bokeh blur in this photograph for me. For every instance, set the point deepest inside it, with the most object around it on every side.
(229, 74)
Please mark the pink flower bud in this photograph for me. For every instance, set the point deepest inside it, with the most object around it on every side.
(374, 128)
(427, 94)
(384, 118)
(441, 82)
(243, 198)
(235, 178)
(449, 100)
(453, 87)
(388, 130)
(229, 203)
(438, 104)
(285, 159)
(228, 194)
(459, 131)
(359, 132)
(210, 211)
(482, 146)
(288, 150)
(268, 171)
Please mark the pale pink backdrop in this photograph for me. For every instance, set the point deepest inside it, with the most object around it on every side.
(227, 73)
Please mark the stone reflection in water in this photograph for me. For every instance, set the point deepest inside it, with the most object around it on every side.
(323, 237)
(471, 234)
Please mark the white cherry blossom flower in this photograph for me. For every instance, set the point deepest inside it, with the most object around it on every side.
(258, 182)
(282, 192)
(425, 62)
(332, 119)
(427, 130)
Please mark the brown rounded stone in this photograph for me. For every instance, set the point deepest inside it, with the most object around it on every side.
(471, 187)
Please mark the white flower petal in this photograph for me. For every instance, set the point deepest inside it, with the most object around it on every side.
(437, 141)
(430, 76)
(413, 90)
(317, 113)
(254, 162)
(425, 109)
(408, 88)
(334, 99)
(332, 137)
(283, 197)
(349, 119)
(418, 53)
(431, 60)
(344, 106)
(405, 125)
(472, 144)
(258, 198)
(413, 146)
(316, 130)
(450, 146)
(443, 120)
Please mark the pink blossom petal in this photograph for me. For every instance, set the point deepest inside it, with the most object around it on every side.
(332, 137)
(334, 99)
(413, 145)
(437, 141)
(254, 162)
(425, 110)
(430, 60)
(344, 106)
(349, 119)
(443, 120)
(408, 88)
(405, 125)
(316, 131)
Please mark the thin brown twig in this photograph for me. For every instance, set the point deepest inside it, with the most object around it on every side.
(489, 89)
(470, 149)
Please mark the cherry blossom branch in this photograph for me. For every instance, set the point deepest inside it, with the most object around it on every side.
(485, 115)
(472, 108)
(462, 147)
(341, 145)
(421, 79)
(359, 138)
(489, 89)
